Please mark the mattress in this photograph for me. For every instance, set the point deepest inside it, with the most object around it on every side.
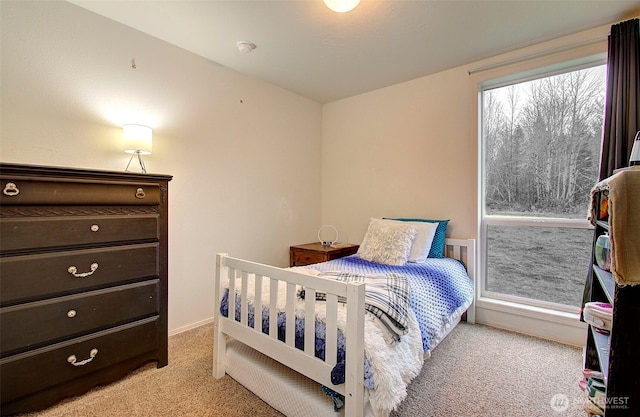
(287, 391)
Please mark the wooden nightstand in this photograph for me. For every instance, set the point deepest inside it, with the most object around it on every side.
(313, 253)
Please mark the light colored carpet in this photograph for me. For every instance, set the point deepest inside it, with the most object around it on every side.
(476, 371)
(482, 371)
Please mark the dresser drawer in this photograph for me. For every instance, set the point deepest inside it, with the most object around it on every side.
(35, 324)
(51, 232)
(24, 374)
(25, 191)
(34, 277)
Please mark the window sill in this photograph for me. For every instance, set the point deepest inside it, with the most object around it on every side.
(539, 313)
(558, 326)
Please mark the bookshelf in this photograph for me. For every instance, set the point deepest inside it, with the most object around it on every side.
(617, 355)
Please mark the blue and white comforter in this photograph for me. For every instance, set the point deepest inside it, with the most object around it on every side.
(440, 289)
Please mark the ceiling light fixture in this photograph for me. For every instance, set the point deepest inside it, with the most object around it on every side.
(245, 47)
(341, 6)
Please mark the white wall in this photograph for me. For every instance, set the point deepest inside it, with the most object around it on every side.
(245, 155)
(407, 150)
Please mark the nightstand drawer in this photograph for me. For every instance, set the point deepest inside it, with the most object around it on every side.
(37, 370)
(25, 233)
(307, 257)
(31, 325)
(33, 277)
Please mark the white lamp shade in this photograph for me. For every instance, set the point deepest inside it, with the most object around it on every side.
(137, 139)
(341, 6)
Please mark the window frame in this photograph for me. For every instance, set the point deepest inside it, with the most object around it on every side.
(499, 220)
(486, 220)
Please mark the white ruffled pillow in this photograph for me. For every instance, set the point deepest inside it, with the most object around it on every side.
(387, 242)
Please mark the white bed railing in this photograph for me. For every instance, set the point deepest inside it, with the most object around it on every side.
(244, 277)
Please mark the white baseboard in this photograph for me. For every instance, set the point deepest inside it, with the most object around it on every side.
(558, 327)
(182, 329)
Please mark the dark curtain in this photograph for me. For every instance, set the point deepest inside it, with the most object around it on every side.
(621, 112)
(622, 116)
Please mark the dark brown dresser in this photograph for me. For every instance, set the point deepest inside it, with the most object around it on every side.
(83, 280)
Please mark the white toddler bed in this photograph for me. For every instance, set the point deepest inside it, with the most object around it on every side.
(280, 363)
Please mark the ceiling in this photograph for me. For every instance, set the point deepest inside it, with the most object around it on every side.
(304, 47)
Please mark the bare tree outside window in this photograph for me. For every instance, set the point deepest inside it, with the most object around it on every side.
(541, 151)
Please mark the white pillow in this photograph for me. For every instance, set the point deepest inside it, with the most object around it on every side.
(425, 232)
(387, 242)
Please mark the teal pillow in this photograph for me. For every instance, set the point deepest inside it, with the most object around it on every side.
(437, 246)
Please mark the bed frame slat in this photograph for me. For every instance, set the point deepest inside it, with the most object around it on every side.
(257, 316)
(290, 314)
(232, 291)
(244, 308)
(331, 344)
(310, 321)
(273, 313)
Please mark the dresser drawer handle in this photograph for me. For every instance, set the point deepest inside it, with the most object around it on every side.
(140, 193)
(71, 314)
(74, 271)
(95, 227)
(11, 189)
(73, 360)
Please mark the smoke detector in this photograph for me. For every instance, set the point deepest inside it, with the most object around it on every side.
(245, 47)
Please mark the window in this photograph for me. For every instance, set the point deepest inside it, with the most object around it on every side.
(540, 145)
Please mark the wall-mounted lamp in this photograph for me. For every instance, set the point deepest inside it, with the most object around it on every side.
(634, 159)
(341, 6)
(138, 141)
